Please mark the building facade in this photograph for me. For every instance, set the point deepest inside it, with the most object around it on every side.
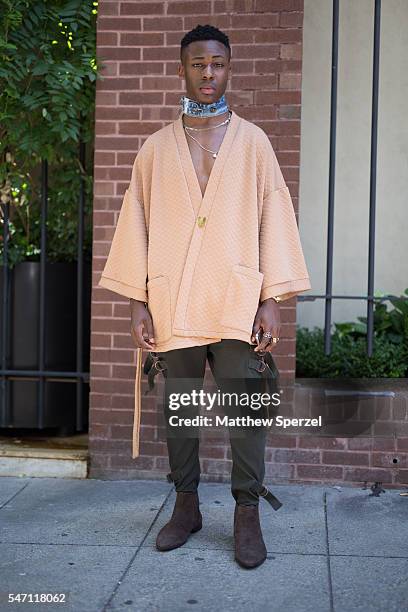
(272, 41)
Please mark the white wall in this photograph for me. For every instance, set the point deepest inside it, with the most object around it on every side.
(350, 270)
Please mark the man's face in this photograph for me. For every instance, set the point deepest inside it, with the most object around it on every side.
(206, 69)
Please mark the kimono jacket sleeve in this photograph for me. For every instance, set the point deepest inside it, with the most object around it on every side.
(281, 258)
(125, 270)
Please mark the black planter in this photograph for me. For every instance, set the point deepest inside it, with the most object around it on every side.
(60, 344)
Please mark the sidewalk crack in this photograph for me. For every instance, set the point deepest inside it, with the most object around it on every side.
(126, 570)
(328, 552)
(13, 496)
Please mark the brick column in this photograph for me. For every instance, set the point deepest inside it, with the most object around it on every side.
(139, 44)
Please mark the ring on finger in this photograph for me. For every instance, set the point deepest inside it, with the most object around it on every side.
(267, 335)
(272, 338)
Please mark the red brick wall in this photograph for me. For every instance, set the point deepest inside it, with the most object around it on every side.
(139, 44)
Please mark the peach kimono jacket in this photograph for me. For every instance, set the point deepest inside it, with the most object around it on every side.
(203, 264)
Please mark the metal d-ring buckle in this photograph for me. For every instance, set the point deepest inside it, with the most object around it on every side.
(260, 356)
(159, 366)
(270, 498)
(264, 491)
(262, 365)
(157, 363)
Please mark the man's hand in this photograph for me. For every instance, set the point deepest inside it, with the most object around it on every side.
(267, 318)
(141, 325)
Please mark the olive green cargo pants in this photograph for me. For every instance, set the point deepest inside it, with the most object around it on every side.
(235, 367)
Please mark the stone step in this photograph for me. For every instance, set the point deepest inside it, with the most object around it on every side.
(45, 457)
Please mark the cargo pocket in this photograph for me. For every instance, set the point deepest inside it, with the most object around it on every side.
(242, 298)
(159, 304)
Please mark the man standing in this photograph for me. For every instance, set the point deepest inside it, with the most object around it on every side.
(206, 246)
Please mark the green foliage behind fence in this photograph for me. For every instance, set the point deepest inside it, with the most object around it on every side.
(348, 356)
(48, 71)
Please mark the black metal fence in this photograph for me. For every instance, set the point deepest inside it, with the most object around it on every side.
(80, 375)
(328, 297)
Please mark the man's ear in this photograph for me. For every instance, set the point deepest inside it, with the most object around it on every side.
(180, 70)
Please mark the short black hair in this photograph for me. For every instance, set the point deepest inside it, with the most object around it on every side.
(205, 32)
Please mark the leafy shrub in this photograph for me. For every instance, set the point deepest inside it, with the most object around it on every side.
(48, 71)
(348, 356)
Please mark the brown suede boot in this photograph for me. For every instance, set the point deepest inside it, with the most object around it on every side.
(186, 519)
(250, 549)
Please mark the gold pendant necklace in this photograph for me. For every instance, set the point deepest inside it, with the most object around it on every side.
(214, 153)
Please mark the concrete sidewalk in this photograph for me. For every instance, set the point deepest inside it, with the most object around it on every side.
(329, 548)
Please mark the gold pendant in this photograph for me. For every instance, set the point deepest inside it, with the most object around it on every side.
(214, 155)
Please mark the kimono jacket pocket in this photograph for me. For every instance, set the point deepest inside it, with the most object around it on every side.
(241, 298)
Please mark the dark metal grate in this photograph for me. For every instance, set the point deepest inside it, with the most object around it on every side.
(328, 296)
(79, 377)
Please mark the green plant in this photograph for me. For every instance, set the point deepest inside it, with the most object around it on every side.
(62, 217)
(393, 323)
(48, 70)
(348, 356)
